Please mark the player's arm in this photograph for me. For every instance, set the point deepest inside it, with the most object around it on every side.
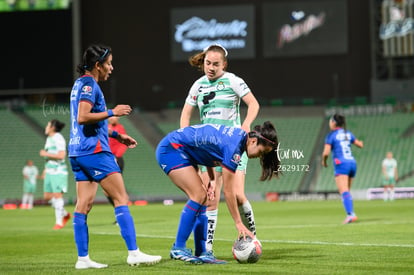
(60, 155)
(252, 110)
(229, 186)
(85, 116)
(359, 143)
(186, 114)
(325, 154)
(123, 138)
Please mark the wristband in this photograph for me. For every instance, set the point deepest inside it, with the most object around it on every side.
(114, 134)
(110, 113)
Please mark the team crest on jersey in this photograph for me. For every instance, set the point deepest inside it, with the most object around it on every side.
(86, 89)
(220, 86)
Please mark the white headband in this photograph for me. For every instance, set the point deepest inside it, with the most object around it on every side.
(218, 45)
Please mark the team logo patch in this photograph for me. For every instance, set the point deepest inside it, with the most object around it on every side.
(220, 86)
(86, 89)
(236, 158)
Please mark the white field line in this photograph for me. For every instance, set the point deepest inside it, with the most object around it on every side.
(278, 241)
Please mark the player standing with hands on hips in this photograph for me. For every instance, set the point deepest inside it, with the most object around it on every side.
(339, 141)
(218, 94)
(92, 160)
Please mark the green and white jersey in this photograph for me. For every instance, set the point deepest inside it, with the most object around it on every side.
(31, 173)
(219, 100)
(55, 144)
(389, 165)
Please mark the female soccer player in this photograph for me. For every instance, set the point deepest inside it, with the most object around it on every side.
(218, 94)
(179, 153)
(339, 141)
(91, 157)
(389, 176)
(55, 174)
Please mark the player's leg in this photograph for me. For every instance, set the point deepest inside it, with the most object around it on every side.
(114, 186)
(86, 191)
(343, 182)
(188, 180)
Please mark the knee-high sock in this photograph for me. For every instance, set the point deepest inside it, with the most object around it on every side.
(200, 231)
(348, 203)
(60, 211)
(247, 216)
(25, 199)
(212, 218)
(30, 200)
(186, 224)
(127, 227)
(80, 229)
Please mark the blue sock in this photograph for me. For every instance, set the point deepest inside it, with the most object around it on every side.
(348, 203)
(80, 229)
(126, 225)
(186, 224)
(200, 231)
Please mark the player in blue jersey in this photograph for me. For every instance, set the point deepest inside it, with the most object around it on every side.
(339, 141)
(179, 155)
(92, 160)
(217, 94)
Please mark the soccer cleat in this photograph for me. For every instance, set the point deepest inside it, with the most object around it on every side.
(185, 255)
(57, 227)
(85, 263)
(209, 258)
(138, 257)
(350, 219)
(65, 219)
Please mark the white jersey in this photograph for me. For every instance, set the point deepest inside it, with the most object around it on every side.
(219, 100)
(30, 173)
(55, 144)
(389, 165)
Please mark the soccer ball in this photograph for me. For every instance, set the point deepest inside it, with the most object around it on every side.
(247, 250)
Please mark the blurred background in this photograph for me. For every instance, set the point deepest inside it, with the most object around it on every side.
(304, 60)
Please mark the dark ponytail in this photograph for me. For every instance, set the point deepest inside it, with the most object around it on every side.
(93, 54)
(58, 125)
(266, 134)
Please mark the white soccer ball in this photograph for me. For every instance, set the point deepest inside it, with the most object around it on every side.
(247, 250)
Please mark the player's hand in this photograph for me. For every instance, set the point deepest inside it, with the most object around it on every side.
(122, 110)
(243, 231)
(127, 140)
(211, 190)
(42, 153)
(324, 164)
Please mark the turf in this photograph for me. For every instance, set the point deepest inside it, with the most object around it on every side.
(304, 237)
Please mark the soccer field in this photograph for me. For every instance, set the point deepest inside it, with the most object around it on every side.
(304, 237)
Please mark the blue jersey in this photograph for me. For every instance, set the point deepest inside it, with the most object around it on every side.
(206, 144)
(88, 138)
(340, 141)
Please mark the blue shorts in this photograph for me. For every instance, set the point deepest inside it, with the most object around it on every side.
(348, 168)
(94, 167)
(170, 158)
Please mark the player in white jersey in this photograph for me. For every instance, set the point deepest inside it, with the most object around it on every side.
(55, 174)
(389, 176)
(217, 94)
(30, 175)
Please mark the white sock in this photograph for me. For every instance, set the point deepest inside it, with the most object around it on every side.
(385, 194)
(24, 199)
(59, 210)
(30, 200)
(211, 228)
(392, 194)
(247, 216)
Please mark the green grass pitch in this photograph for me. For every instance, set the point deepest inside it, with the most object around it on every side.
(304, 237)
